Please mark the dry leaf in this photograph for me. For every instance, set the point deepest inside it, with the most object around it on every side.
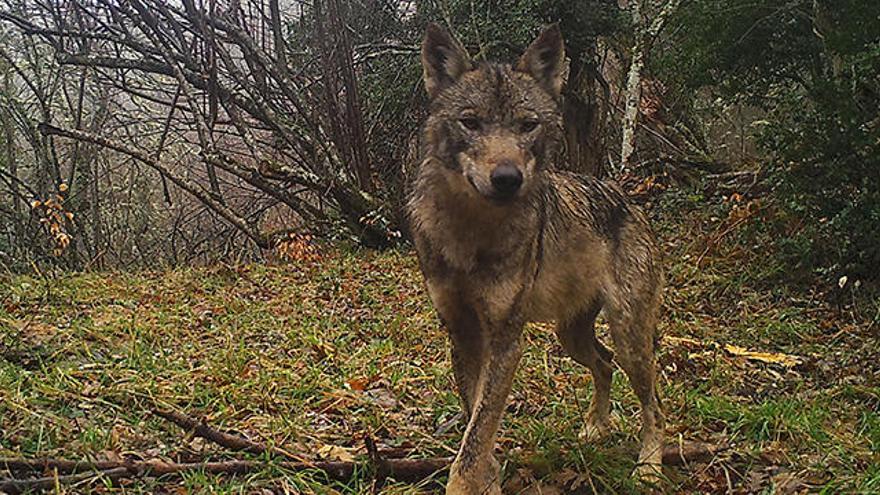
(358, 384)
(786, 360)
(335, 453)
(684, 341)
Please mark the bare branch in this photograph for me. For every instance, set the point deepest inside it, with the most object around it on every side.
(202, 195)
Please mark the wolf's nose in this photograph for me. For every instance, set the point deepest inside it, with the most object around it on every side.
(506, 179)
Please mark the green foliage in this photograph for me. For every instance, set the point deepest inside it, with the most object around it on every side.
(502, 29)
(813, 69)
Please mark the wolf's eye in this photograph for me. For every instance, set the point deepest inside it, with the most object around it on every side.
(527, 126)
(470, 123)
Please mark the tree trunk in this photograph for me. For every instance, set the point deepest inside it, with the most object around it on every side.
(354, 116)
(642, 34)
(584, 114)
(633, 88)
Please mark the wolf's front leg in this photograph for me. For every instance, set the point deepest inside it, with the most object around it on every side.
(468, 355)
(475, 471)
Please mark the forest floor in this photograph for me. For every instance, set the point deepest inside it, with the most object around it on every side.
(313, 356)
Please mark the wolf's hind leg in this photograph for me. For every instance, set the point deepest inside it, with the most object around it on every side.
(633, 333)
(578, 338)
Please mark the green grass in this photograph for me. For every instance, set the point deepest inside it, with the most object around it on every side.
(315, 354)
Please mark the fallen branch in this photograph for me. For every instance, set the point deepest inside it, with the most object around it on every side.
(406, 470)
(60, 465)
(232, 442)
(238, 443)
(15, 486)
(716, 237)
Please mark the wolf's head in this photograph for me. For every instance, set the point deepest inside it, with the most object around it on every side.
(498, 125)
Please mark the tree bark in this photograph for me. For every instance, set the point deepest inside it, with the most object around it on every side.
(642, 34)
(633, 87)
(584, 113)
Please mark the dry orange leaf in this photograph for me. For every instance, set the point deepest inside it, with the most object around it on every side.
(786, 360)
(685, 341)
(358, 384)
(335, 453)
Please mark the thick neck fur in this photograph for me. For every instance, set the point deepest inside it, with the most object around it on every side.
(465, 228)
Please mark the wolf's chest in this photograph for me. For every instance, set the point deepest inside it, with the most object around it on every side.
(473, 242)
(473, 251)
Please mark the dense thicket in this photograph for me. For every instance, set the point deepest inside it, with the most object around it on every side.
(143, 131)
(809, 72)
(215, 129)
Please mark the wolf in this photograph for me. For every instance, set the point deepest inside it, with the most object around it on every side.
(503, 238)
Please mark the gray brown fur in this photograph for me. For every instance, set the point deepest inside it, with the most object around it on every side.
(561, 248)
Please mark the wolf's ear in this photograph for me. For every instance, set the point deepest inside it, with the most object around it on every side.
(544, 60)
(443, 60)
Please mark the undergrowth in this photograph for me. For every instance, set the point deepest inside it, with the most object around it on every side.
(315, 355)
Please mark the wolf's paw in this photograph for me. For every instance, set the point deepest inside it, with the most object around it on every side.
(482, 481)
(595, 429)
(649, 474)
(461, 486)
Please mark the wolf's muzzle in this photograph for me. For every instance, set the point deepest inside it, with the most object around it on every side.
(506, 180)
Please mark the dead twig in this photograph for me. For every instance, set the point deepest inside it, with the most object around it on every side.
(61, 465)
(716, 238)
(381, 468)
(229, 441)
(237, 443)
